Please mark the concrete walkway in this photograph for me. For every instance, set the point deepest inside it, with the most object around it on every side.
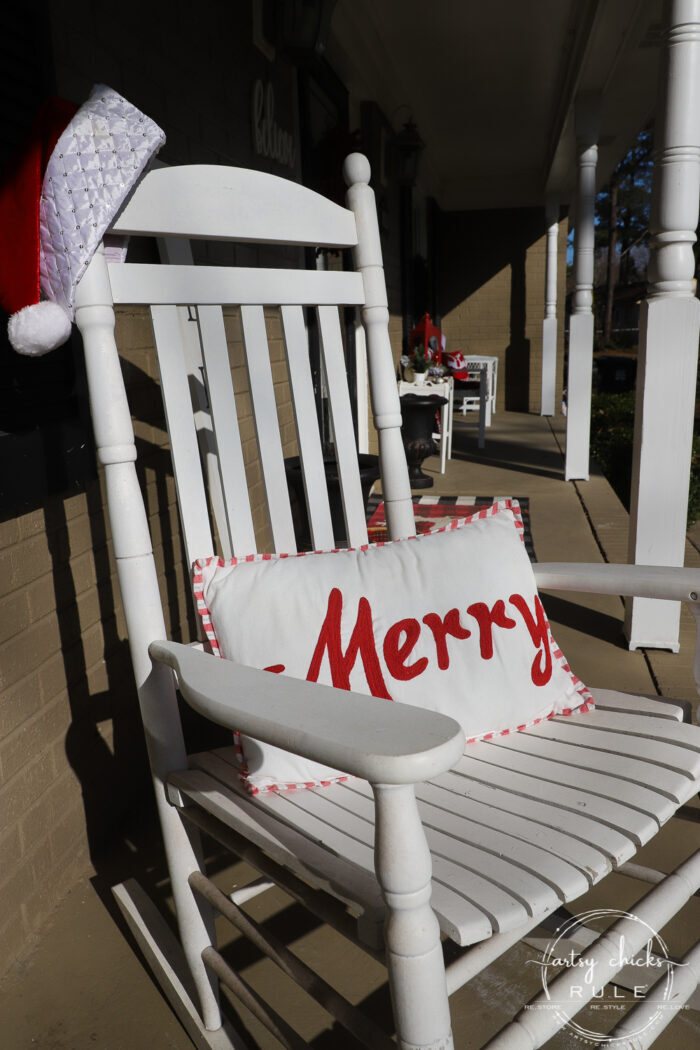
(82, 986)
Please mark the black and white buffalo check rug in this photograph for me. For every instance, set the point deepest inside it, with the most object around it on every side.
(433, 512)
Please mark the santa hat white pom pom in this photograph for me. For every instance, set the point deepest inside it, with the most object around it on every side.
(39, 328)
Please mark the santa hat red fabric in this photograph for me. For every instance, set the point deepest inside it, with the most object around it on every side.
(19, 206)
(72, 176)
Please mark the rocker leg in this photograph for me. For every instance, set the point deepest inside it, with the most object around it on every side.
(412, 933)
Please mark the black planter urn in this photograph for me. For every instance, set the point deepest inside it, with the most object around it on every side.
(369, 472)
(418, 414)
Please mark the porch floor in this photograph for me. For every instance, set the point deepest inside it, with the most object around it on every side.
(83, 986)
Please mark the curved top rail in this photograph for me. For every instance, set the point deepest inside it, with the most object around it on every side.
(215, 202)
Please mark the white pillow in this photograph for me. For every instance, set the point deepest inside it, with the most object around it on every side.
(450, 621)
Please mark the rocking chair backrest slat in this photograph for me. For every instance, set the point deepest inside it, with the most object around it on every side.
(296, 343)
(239, 520)
(167, 330)
(148, 283)
(343, 430)
(178, 251)
(189, 325)
(213, 202)
(267, 428)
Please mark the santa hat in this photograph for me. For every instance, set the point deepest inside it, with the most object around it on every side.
(65, 188)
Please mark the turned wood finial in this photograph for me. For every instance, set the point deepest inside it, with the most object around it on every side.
(356, 169)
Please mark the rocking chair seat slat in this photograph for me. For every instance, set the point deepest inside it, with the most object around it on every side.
(609, 787)
(443, 825)
(596, 836)
(659, 707)
(476, 812)
(507, 888)
(548, 844)
(607, 733)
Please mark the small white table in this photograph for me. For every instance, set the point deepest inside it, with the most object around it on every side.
(440, 388)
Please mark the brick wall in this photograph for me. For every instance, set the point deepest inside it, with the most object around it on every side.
(492, 286)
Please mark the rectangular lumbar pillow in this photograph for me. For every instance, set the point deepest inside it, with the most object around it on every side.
(450, 621)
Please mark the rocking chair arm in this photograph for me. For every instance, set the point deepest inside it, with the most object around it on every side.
(641, 581)
(377, 740)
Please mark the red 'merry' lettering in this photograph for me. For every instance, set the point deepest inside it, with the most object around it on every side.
(361, 641)
(441, 628)
(541, 670)
(397, 651)
(487, 620)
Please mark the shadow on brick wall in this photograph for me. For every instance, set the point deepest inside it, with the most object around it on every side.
(104, 744)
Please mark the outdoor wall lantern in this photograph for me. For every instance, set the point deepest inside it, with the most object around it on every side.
(409, 146)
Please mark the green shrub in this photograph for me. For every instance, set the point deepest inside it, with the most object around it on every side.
(612, 438)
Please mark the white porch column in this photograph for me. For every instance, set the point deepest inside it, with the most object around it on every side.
(549, 325)
(578, 398)
(668, 332)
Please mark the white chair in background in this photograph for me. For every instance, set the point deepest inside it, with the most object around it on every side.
(471, 402)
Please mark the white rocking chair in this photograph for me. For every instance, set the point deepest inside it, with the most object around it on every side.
(506, 850)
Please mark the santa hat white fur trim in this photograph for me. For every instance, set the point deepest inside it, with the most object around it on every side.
(39, 328)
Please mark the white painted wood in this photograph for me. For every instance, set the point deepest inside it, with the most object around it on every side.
(177, 251)
(398, 744)
(625, 744)
(262, 393)
(549, 366)
(174, 379)
(609, 788)
(266, 942)
(487, 390)
(659, 732)
(361, 380)
(651, 581)
(642, 1025)
(503, 888)
(659, 707)
(204, 426)
(669, 330)
(221, 203)
(309, 441)
(657, 538)
(580, 373)
(167, 961)
(473, 815)
(150, 284)
(628, 936)
(616, 846)
(343, 430)
(386, 408)
(412, 933)
(668, 783)
(226, 431)
(515, 826)
(549, 324)
(587, 812)
(138, 581)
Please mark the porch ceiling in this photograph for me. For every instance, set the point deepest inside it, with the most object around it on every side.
(491, 87)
